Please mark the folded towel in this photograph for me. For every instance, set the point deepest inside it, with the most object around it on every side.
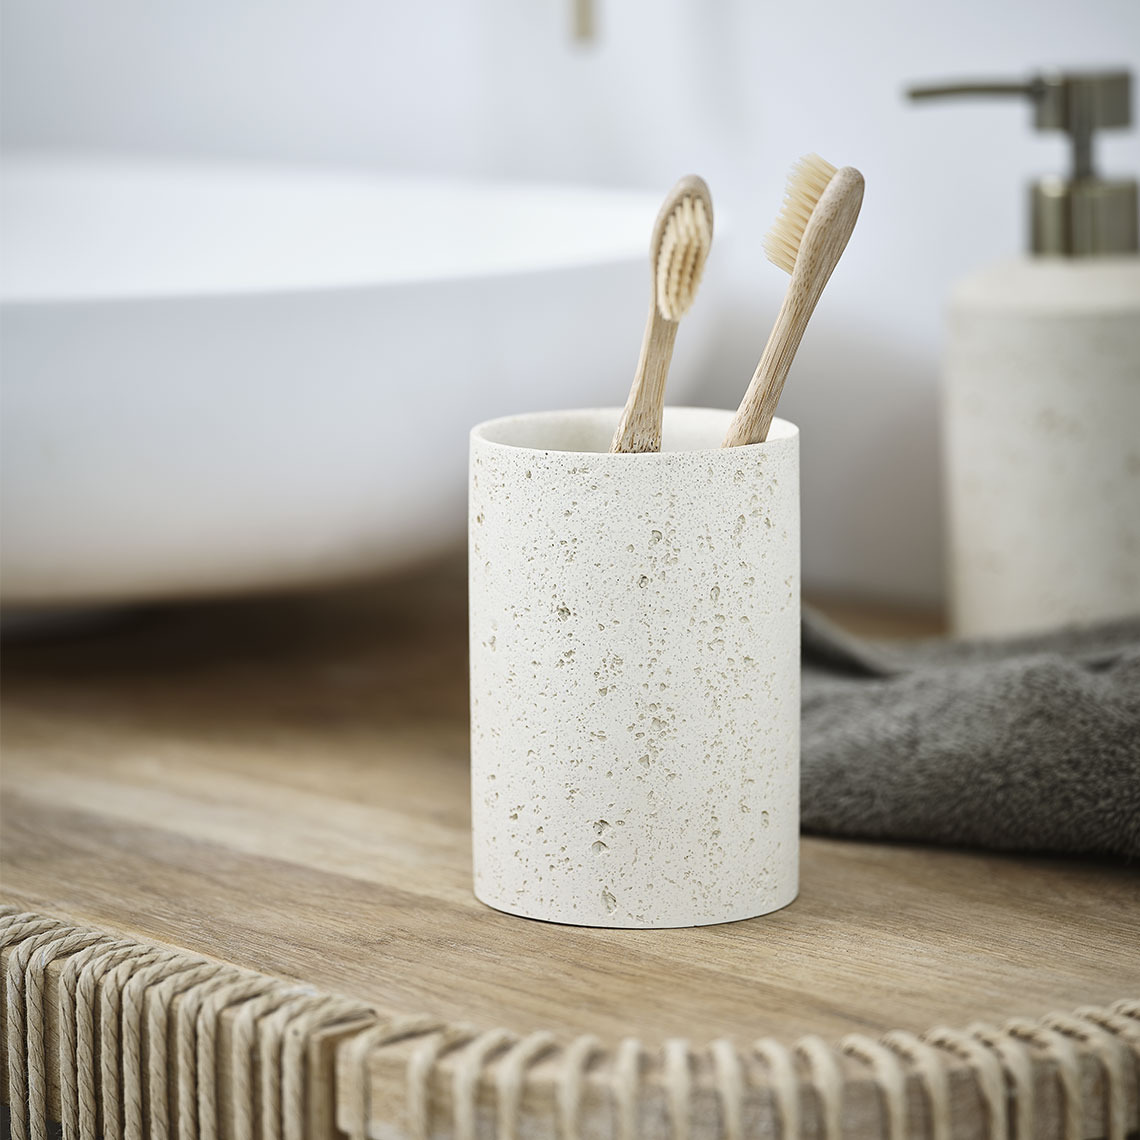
(1030, 744)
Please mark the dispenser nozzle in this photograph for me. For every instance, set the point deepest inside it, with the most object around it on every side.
(1082, 214)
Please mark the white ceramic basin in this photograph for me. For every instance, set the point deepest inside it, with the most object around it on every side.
(224, 378)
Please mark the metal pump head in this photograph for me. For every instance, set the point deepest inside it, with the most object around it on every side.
(1082, 215)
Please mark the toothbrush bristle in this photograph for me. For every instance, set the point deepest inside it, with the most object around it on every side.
(806, 184)
(681, 256)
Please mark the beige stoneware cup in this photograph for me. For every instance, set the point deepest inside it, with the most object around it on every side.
(635, 691)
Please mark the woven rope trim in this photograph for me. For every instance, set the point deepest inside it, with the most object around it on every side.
(130, 1013)
(803, 1090)
(125, 1010)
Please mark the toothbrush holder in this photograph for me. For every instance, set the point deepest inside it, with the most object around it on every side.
(635, 685)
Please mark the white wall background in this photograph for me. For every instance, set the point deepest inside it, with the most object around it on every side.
(733, 89)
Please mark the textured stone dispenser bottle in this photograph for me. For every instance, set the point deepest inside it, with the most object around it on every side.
(634, 671)
(1042, 391)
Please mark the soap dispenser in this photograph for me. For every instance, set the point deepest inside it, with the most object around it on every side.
(1041, 393)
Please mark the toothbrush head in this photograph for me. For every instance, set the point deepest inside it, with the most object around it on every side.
(682, 239)
(820, 210)
(809, 178)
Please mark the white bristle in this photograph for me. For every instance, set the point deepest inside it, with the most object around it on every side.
(681, 257)
(806, 184)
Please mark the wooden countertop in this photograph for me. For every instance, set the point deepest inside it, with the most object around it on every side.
(281, 784)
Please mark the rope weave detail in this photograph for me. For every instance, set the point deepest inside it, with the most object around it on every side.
(575, 1063)
(270, 1060)
(243, 1033)
(1116, 1023)
(158, 1029)
(20, 1045)
(1060, 1050)
(784, 1083)
(889, 1078)
(129, 1015)
(987, 1071)
(207, 1027)
(511, 1077)
(67, 1006)
(294, 1059)
(354, 1059)
(35, 976)
(626, 1088)
(1113, 1058)
(134, 1002)
(679, 1085)
(932, 1077)
(421, 1066)
(1015, 1060)
(87, 1024)
(465, 1082)
(827, 1083)
(730, 1087)
(110, 1035)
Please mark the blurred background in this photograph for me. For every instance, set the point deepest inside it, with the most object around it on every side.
(734, 90)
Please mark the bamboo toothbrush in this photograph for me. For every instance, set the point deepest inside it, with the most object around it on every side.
(682, 236)
(820, 208)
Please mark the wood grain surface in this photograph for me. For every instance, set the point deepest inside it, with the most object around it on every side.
(282, 784)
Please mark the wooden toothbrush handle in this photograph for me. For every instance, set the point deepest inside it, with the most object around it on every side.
(754, 416)
(824, 240)
(639, 428)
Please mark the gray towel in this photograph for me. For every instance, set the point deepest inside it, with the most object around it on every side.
(1031, 744)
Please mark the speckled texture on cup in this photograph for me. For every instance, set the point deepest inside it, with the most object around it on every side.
(635, 693)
